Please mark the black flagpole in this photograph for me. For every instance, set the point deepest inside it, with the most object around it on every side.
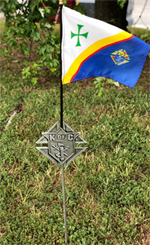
(61, 121)
(61, 85)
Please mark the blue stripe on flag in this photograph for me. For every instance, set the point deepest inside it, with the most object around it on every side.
(102, 64)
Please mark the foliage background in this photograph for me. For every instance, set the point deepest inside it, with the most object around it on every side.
(31, 22)
(107, 187)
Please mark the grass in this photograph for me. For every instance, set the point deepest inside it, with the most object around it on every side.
(2, 29)
(107, 187)
(138, 31)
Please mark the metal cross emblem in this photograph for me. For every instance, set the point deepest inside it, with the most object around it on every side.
(61, 144)
(79, 35)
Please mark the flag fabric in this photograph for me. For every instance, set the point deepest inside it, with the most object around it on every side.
(92, 48)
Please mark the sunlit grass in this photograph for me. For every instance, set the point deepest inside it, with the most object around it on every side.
(57, 28)
(2, 29)
(138, 31)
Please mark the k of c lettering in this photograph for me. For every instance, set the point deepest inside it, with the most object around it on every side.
(68, 137)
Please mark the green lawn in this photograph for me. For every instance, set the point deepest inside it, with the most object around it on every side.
(107, 187)
(2, 29)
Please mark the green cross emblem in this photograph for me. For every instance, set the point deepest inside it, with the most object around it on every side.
(79, 35)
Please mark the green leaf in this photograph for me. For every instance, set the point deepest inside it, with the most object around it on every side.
(34, 80)
(53, 69)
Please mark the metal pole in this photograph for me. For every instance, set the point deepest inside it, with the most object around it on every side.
(61, 122)
(64, 203)
(61, 86)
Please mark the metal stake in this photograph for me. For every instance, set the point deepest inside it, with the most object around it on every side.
(64, 203)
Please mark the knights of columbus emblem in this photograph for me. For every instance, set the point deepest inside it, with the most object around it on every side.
(120, 57)
(61, 144)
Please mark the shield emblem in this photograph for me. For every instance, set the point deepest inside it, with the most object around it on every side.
(61, 151)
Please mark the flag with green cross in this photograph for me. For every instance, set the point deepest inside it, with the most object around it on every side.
(93, 48)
